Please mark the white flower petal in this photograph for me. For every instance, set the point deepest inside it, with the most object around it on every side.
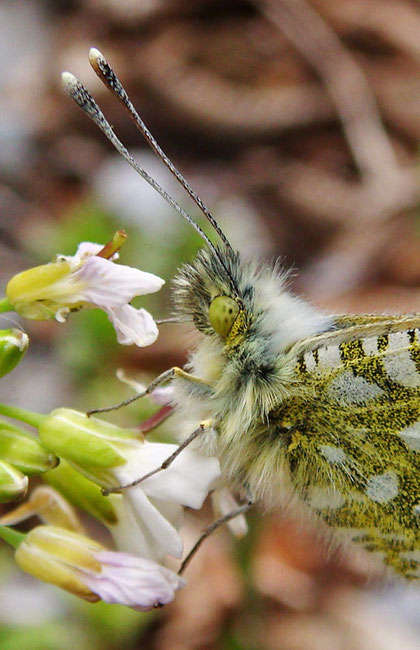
(162, 395)
(163, 532)
(223, 503)
(132, 534)
(111, 285)
(87, 249)
(133, 326)
(187, 480)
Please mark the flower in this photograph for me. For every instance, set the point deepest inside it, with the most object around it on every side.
(87, 569)
(155, 507)
(90, 278)
(113, 457)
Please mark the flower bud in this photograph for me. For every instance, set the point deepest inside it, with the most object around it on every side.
(24, 451)
(13, 484)
(53, 554)
(13, 345)
(87, 569)
(93, 445)
(34, 293)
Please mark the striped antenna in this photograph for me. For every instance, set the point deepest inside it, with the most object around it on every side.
(75, 89)
(109, 78)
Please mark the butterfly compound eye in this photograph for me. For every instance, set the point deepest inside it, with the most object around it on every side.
(222, 314)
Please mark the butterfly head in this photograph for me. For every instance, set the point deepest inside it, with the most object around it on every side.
(209, 291)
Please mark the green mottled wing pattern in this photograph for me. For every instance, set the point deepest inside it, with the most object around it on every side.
(353, 436)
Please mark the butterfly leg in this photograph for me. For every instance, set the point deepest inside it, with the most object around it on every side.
(161, 379)
(207, 424)
(212, 528)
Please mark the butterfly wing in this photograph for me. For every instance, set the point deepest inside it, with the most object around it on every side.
(354, 435)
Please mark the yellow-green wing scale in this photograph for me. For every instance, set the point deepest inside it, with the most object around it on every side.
(353, 435)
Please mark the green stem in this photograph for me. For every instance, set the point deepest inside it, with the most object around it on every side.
(29, 417)
(5, 305)
(11, 536)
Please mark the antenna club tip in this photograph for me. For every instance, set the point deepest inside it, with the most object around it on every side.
(69, 82)
(95, 57)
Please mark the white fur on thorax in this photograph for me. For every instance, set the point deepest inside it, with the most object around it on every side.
(286, 317)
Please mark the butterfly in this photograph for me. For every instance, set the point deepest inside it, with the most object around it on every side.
(305, 410)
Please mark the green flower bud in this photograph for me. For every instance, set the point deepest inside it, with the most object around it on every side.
(91, 445)
(24, 451)
(81, 492)
(13, 484)
(13, 345)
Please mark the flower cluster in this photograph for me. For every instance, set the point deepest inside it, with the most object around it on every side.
(78, 457)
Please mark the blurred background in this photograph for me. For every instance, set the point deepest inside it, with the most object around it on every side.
(297, 122)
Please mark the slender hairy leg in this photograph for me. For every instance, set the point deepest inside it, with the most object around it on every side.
(161, 379)
(166, 463)
(210, 529)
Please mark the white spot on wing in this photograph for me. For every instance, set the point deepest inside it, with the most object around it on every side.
(398, 340)
(411, 436)
(401, 368)
(370, 346)
(333, 454)
(382, 487)
(310, 362)
(323, 499)
(353, 390)
(329, 357)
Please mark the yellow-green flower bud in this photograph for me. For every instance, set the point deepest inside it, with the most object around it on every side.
(13, 484)
(91, 445)
(13, 345)
(40, 292)
(60, 556)
(24, 451)
(87, 569)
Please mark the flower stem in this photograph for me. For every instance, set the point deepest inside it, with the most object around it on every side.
(23, 415)
(5, 305)
(11, 536)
